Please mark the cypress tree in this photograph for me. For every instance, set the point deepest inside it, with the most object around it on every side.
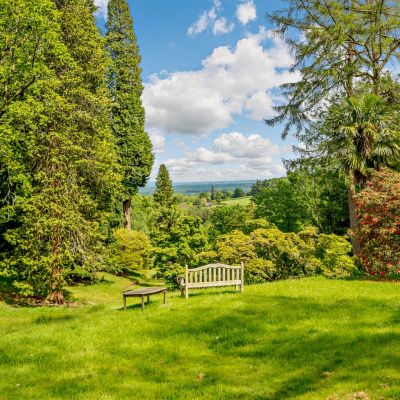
(164, 193)
(212, 193)
(133, 144)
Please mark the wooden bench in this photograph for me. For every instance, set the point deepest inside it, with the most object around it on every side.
(146, 291)
(212, 275)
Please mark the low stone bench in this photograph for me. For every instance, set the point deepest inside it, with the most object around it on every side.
(212, 275)
(146, 291)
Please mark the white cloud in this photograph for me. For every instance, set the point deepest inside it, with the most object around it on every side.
(209, 19)
(259, 105)
(246, 12)
(238, 157)
(238, 145)
(233, 81)
(102, 7)
(220, 26)
(158, 141)
(200, 25)
(203, 155)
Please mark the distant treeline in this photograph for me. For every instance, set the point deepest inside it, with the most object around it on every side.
(199, 187)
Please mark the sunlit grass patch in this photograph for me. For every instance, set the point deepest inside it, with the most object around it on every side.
(297, 339)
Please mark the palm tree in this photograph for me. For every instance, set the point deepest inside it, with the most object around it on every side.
(359, 134)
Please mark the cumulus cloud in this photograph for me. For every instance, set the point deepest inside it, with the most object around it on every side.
(232, 82)
(237, 145)
(237, 156)
(102, 7)
(246, 12)
(158, 141)
(221, 27)
(209, 19)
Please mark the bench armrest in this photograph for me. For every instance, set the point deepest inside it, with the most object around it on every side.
(180, 279)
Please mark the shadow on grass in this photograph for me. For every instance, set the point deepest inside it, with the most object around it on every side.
(304, 355)
(208, 292)
(9, 297)
(267, 347)
(48, 319)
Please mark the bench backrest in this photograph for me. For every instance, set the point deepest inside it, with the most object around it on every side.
(212, 275)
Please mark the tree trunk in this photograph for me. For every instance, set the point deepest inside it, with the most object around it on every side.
(56, 295)
(127, 214)
(353, 217)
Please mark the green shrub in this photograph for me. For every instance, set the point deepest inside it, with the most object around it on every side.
(235, 247)
(333, 251)
(270, 254)
(132, 251)
(378, 207)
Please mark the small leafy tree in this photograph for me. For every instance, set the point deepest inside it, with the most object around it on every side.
(238, 192)
(378, 208)
(334, 253)
(225, 219)
(282, 202)
(177, 242)
(132, 251)
(235, 247)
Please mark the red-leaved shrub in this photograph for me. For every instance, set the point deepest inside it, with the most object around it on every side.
(378, 209)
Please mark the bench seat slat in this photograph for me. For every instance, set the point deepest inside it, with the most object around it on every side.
(212, 284)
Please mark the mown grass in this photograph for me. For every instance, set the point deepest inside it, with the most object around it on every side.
(304, 339)
(243, 201)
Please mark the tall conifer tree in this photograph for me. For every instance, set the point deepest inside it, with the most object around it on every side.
(128, 117)
(164, 193)
(63, 151)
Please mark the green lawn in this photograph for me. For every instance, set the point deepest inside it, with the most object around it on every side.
(243, 201)
(304, 339)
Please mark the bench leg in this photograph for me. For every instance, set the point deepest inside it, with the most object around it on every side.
(165, 297)
(142, 302)
(124, 302)
(148, 299)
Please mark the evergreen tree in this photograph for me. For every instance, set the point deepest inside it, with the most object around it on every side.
(133, 144)
(60, 153)
(164, 193)
(212, 193)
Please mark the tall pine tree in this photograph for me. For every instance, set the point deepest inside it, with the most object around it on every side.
(164, 193)
(133, 144)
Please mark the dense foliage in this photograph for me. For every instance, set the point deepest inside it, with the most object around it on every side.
(58, 163)
(270, 254)
(343, 56)
(378, 207)
(316, 197)
(73, 149)
(132, 251)
(236, 233)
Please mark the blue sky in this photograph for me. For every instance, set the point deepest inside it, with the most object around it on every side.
(211, 70)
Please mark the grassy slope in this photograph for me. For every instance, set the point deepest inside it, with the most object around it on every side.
(307, 339)
(243, 201)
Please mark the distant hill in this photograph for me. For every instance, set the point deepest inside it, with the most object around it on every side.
(198, 187)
